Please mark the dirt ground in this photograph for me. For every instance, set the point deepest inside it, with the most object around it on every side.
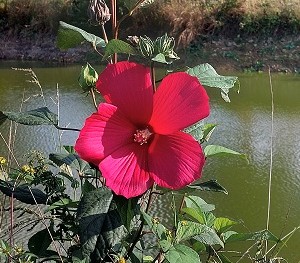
(281, 55)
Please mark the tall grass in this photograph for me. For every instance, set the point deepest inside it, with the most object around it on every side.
(187, 20)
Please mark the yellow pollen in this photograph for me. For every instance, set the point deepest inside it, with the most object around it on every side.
(142, 136)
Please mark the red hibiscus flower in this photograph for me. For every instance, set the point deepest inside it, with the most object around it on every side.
(135, 137)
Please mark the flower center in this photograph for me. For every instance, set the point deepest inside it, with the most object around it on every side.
(142, 136)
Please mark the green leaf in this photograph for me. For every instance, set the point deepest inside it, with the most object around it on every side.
(201, 132)
(222, 224)
(63, 202)
(198, 203)
(127, 208)
(217, 150)
(157, 228)
(208, 76)
(202, 233)
(70, 159)
(100, 226)
(188, 229)
(70, 36)
(254, 236)
(161, 58)
(87, 78)
(211, 185)
(40, 116)
(39, 242)
(197, 215)
(181, 254)
(118, 46)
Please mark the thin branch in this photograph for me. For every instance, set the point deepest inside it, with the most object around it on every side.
(271, 155)
(67, 129)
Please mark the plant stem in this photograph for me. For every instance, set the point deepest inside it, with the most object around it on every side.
(94, 98)
(271, 156)
(139, 232)
(114, 24)
(153, 76)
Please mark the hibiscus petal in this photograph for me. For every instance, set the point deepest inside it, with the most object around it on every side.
(179, 102)
(175, 160)
(103, 133)
(125, 170)
(128, 86)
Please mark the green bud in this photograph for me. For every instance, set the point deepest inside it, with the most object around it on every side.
(87, 78)
(165, 45)
(146, 46)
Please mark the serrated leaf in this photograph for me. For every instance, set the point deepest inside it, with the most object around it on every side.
(208, 76)
(217, 150)
(182, 254)
(118, 46)
(100, 226)
(70, 36)
(40, 116)
(254, 236)
(222, 224)
(188, 229)
(211, 185)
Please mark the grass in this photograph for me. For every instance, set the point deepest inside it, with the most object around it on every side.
(189, 20)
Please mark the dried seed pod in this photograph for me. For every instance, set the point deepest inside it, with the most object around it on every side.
(98, 11)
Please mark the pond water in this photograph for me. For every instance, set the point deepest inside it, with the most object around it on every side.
(243, 125)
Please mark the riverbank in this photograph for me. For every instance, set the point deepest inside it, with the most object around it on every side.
(251, 54)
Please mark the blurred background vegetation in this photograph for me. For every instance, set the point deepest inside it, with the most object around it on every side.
(187, 20)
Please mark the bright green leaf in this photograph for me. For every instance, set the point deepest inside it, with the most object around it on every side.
(40, 116)
(63, 202)
(256, 236)
(181, 254)
(197, 215)
(188, 229)
(222, 224)
(201, 132)
(217, 150)
(70, 36)
(118, 46)
(208, 76)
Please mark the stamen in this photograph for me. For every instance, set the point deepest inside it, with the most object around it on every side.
(142, 136)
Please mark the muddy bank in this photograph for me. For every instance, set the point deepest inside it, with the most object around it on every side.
(281, 55)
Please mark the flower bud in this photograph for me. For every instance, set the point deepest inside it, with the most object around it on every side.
(165, 45)
(98, 11)
(146, 46)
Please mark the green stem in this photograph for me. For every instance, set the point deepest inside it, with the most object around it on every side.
(94, 98)
(152, 72)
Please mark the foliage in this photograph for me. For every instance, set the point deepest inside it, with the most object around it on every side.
(97, 225)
